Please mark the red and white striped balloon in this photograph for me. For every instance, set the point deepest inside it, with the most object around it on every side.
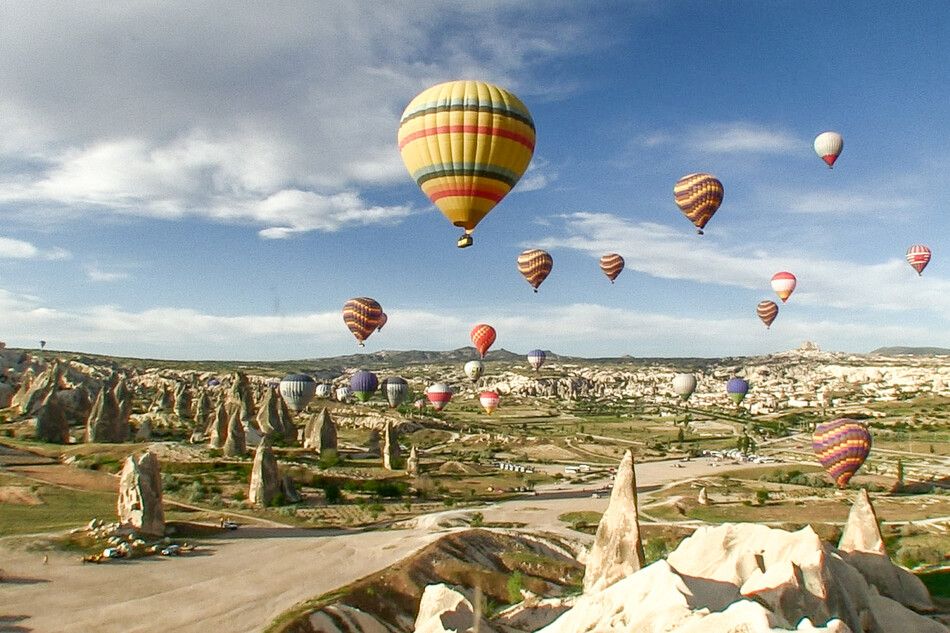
(918, 256)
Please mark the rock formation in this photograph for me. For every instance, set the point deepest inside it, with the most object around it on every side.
(288, 427)
(144, 433)
(412, 464)
(372, 444)
(391, 452)
(265, 480)
(320, 433)
(203, 410)
(268, 415)
(745, 577)
(104, 423)
(446, 610)
(241, 395)
(123, 397)
(182, 407)
(140, 495)
(703, 498)
(164, 403)
(862, 545)
(6, 394)
(34, 393)
(289, 488)
(235, 444)
(617, 551)
(51, 422)
(218, 427)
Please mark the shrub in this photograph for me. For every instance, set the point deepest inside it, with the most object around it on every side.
(514, 585)
(477, 520)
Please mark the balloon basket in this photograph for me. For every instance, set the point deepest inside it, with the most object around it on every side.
(465, 241)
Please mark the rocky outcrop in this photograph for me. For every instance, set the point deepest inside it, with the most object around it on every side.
(34, 393)
(447, 610)
(320, 433)
(164, 402)
(123, 397)
(373, 443)
(182, 406)
(412, 464)
(203, 410)
(744, 577)
(51, 423)
(140, 495)
(862, 545)
(241, 395)
(391, 452)
(288, 426)
(269, 420)
(105, 423)
(617, 551)
(265, 479)
(235, 444)
(703, 497)
(218, 427)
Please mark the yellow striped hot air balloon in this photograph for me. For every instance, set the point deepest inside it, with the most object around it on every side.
(698, 196)
(466, 144)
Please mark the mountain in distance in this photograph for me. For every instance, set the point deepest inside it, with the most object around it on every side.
(898, 350)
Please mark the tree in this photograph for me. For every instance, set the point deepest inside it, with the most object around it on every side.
(900, 471)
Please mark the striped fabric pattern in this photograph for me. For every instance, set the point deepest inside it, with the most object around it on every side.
(698, 196)
(612, 265)
(466, 144)
(767, 311)
(783, 284)
(918, 256)
(535, 265)
(841, 446)
(439, 395)
(362, 316)
(489, 401)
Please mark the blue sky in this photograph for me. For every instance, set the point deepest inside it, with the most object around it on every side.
(214, 180)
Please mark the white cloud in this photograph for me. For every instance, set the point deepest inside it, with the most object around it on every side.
(887, 285)
(18, 249)
(727, 138)
(94, 273)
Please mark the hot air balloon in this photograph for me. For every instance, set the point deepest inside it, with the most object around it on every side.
(439, 395)
(214, 382)
(918, 256)
(536, 358)
(382, 321)
(737, 388)
(395, 389)
(612, 265)
(297, 390)
(364, 383)
(489, 400)
(783, 284)
(466, 144)
(474, 369)
(535, 265)
(344, 393)
(698, 197)
(42, 344)
(362, 315)
(841, 446)
(482, 337)
(324, 390)
(767, 311)
(419, 404)
(684, 385)
(828, 146)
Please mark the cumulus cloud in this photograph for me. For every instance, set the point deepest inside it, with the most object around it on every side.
(727, 138)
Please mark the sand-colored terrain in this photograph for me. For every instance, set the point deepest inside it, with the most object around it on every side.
(243, 581)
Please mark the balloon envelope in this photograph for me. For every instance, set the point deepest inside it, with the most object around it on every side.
(489, 401)
(828, 146)
(439, 395)
(395, 389)
(343, 393)
(382, 321)
(737, 388)
(466, 144)
(482, 337)
(684, 385)
(536, 358)
(783, 284)
(841, 446)
(364, 383)
(918, 256)
(362, 316)
(535, 265)
(612, 265)
(297, 390)
(767, 311)
(698, 196)
(474, 369)
(324, 390)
